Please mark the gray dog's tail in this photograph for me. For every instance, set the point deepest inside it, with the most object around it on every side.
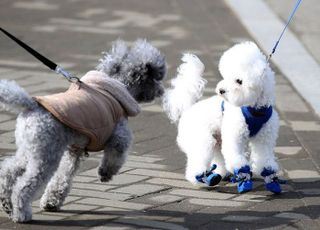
(13, 98)
(128, 64)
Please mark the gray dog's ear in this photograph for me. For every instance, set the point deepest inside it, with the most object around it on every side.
(149, 59)
(111, 61)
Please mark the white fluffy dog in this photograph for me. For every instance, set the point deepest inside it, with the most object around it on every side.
(233, 131)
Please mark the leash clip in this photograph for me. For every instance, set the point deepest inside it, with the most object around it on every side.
(70, 77)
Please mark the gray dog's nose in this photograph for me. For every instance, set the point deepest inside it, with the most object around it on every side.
(222, 91)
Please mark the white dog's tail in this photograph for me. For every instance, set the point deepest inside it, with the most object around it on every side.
(186, 88)
(13, 98)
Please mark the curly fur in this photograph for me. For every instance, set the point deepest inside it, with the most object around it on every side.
(13, 98)
(132, 66)
(206, 134)
(44, 155)
(187, 87)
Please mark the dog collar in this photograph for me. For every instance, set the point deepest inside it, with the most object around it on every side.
(255, 117)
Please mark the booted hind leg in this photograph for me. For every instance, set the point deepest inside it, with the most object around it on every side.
(219, 161)
(200, 159)
(115, 152)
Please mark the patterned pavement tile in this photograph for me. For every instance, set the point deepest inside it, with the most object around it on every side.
(91, 186)
(166, 198)
(216, 203)
(125, 179)
(201, 194)
(156, 173)
(113, 203)
(150, 224)
(97, 194)
(139, 189)
(170, 182)
(250, 198)
(305, 126)
(243, 218)
(303, 175)
(289, 151)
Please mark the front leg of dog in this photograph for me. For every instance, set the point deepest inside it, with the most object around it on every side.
(115, 152)
(59, 185)
(264, 163)
(233, 150)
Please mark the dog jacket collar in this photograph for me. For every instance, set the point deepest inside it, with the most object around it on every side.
(92, 107)
(255, 117)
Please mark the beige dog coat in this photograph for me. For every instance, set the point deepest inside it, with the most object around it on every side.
(92, 107)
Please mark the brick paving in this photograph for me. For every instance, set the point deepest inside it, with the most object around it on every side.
(150, 192)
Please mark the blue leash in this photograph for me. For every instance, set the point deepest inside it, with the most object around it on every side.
(284, 29)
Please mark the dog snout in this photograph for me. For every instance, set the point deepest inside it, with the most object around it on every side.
(222, 91)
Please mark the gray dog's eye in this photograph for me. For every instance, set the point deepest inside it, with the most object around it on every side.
(239, 81)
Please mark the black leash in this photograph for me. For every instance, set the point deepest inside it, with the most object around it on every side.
(53, 66)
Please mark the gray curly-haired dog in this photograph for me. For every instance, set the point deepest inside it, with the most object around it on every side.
(49, 151)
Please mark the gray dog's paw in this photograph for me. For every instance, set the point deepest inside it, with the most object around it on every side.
(105, 175)
(51, 204)
(50, 208)
(6, 205)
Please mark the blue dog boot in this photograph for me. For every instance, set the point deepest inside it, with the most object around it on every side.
(272, 183)
(243, 177)
(213, 179)
(274, 187)
(209, 177)
(245, 186)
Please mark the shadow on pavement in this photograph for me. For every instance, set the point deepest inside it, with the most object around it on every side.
(287, 209)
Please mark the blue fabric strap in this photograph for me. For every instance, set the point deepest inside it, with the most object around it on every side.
(255, 117)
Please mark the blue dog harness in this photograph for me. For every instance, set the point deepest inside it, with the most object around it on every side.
(255, 118)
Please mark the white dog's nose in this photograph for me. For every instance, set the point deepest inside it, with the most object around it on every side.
(222, 91)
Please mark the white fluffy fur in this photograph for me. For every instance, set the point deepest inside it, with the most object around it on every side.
(202, 125)
(187, 88)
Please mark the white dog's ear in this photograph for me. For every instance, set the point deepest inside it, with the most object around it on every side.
(259, 68)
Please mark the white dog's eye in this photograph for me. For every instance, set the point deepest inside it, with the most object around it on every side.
(239, 81)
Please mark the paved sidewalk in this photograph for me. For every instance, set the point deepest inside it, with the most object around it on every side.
(151, 192)
(306, 24)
